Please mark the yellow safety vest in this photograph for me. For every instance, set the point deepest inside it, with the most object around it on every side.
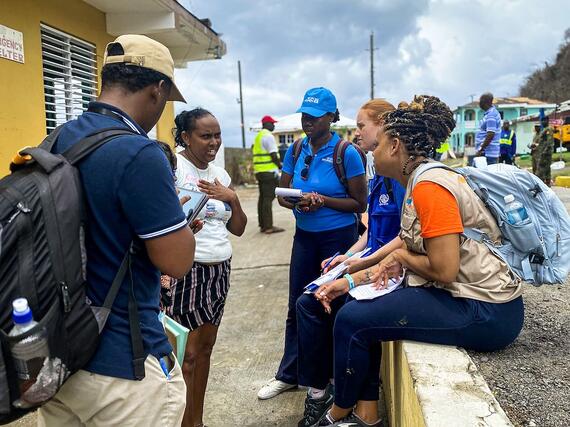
(262, 161)
(509, 140)
(443, 147)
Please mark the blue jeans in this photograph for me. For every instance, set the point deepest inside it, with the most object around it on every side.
(419, 314)
(309, 249)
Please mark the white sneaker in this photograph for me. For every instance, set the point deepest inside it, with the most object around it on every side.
(273, 388)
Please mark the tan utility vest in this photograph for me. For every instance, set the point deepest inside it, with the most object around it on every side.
(482, 275)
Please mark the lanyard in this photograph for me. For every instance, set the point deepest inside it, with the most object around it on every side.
(110, 113)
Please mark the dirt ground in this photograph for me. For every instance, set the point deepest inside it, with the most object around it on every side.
(531, 377)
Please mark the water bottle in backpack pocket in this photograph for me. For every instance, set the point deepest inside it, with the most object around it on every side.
(518, 227)
(39, 372)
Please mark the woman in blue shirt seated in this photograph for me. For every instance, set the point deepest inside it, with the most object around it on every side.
(325, 215)
(385, 198)
(315, 329)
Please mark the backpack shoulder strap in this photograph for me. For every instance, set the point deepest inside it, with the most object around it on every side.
(338, 159)
(49, 141)
(297, 146)
(92, 142)
(427, 166)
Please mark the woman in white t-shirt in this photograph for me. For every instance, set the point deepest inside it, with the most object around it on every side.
(199, 298)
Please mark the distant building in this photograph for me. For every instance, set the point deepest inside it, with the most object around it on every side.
(288, 128)
(467, 119)
(524, 126)
(52, 52)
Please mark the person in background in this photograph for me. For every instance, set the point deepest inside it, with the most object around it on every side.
(384, 207)
(283, 147)
(385, 197)
(545, 150)
(445, 147)
(448, 298)
(199, 298)
(266, 166)
(487, 138)
(534, 148)
(325, 215)
(130, 196)
(508, 144)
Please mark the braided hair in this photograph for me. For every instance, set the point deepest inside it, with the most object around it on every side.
(186, 121)
(336, 115)
(421, 125)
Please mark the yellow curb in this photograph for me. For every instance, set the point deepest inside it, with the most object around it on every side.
(562, 181)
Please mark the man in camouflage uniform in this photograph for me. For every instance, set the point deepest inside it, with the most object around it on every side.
(534, 148)
(545, 149)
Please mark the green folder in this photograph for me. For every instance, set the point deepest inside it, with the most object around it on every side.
(177, 335)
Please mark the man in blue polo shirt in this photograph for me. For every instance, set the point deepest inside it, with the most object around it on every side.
(130, 194)
(487, 138)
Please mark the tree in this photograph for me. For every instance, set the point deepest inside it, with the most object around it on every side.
(551, 83)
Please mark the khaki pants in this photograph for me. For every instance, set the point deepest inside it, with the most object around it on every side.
(88, 399)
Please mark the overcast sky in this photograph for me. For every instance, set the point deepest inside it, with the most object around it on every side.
(449, 48)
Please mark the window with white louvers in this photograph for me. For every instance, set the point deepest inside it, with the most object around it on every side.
(70, 76)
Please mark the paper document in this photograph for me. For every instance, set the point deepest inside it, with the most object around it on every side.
(333, 273)
(288, 192)
(364, 292)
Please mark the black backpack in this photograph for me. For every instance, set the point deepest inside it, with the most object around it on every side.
(42, 258)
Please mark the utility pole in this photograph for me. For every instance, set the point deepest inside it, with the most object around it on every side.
(372, 49)
(240, 102)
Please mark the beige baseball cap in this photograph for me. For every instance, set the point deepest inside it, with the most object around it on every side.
(148, 53)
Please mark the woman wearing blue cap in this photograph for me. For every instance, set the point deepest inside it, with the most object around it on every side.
(325, 215)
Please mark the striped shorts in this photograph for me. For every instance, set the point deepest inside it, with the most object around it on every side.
(200, 296)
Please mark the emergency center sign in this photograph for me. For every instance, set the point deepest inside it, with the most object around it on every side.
(11, 44)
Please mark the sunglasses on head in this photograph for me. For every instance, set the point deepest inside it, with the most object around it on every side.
(305, 170)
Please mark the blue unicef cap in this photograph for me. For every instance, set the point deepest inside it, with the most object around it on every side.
(317, 102)
(21, 313)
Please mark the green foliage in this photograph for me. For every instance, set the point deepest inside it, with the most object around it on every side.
(551, 83)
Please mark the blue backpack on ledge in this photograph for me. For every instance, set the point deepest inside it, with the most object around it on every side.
(537, 249)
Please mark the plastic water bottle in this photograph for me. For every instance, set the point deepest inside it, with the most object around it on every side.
(515, 211)
(30, 352)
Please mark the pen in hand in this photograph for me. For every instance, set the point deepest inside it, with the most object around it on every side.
(329, 261)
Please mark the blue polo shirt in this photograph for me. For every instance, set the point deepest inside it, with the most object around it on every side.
(384, 210)
(322, 179)
(129, 191)
(490, 122)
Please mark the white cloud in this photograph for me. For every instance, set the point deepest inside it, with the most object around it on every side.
(448, 48)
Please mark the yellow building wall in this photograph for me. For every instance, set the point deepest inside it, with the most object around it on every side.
(22, 110)
(401, 400)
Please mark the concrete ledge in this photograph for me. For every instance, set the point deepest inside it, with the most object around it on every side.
(427, 385)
